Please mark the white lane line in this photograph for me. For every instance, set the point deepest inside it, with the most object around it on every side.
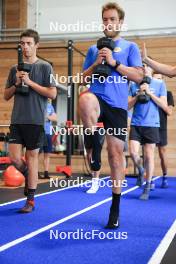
(45, 228)
(59, 190)
(163, 246)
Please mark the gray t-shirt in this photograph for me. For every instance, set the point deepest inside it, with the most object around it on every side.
(30, 109)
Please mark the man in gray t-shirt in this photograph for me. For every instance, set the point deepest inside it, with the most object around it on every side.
(27, 120)
(30, 109)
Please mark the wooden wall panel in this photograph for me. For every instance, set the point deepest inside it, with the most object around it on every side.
(15, 14)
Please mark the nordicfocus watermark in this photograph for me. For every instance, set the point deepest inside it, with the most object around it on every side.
(77, 130)
(81, 26)
(79, 78)
(80, 234)
(57, 183)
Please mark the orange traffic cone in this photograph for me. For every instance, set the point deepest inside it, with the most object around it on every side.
(13, 177)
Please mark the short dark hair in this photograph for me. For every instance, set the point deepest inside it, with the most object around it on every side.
(155, 72)
(117, 7)
(32, 34)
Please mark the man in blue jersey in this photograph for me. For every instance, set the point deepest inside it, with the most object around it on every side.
(145, 125)
(107, 101)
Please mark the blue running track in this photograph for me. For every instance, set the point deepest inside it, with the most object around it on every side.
(145, 223)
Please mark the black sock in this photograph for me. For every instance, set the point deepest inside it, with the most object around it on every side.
(165, 176)
(113, 221)
(114, 210)
(46, 175)
(96, 151)
(31, 193)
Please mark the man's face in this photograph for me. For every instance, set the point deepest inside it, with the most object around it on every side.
(112, 23)
(158, 76)
(29, 46)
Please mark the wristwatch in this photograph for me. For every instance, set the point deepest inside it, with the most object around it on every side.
(117, 64)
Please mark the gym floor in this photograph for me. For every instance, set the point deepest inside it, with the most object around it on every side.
(146, 234)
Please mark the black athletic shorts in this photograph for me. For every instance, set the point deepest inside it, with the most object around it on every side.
(144, 135)
(114, 120)
(162, 137)
(30, 136)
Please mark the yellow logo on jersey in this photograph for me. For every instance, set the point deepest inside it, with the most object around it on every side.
(117, 49)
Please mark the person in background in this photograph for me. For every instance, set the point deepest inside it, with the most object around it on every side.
(162, 145)
(30, 92)
(47, 148)
(162, 68)
(145, 125)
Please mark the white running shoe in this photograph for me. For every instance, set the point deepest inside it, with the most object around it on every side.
(95, 186)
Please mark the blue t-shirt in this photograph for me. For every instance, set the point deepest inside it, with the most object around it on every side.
(49, 111)
(147, 114)
(115, 94)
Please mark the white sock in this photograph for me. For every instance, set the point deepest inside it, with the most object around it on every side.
(95, 186)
